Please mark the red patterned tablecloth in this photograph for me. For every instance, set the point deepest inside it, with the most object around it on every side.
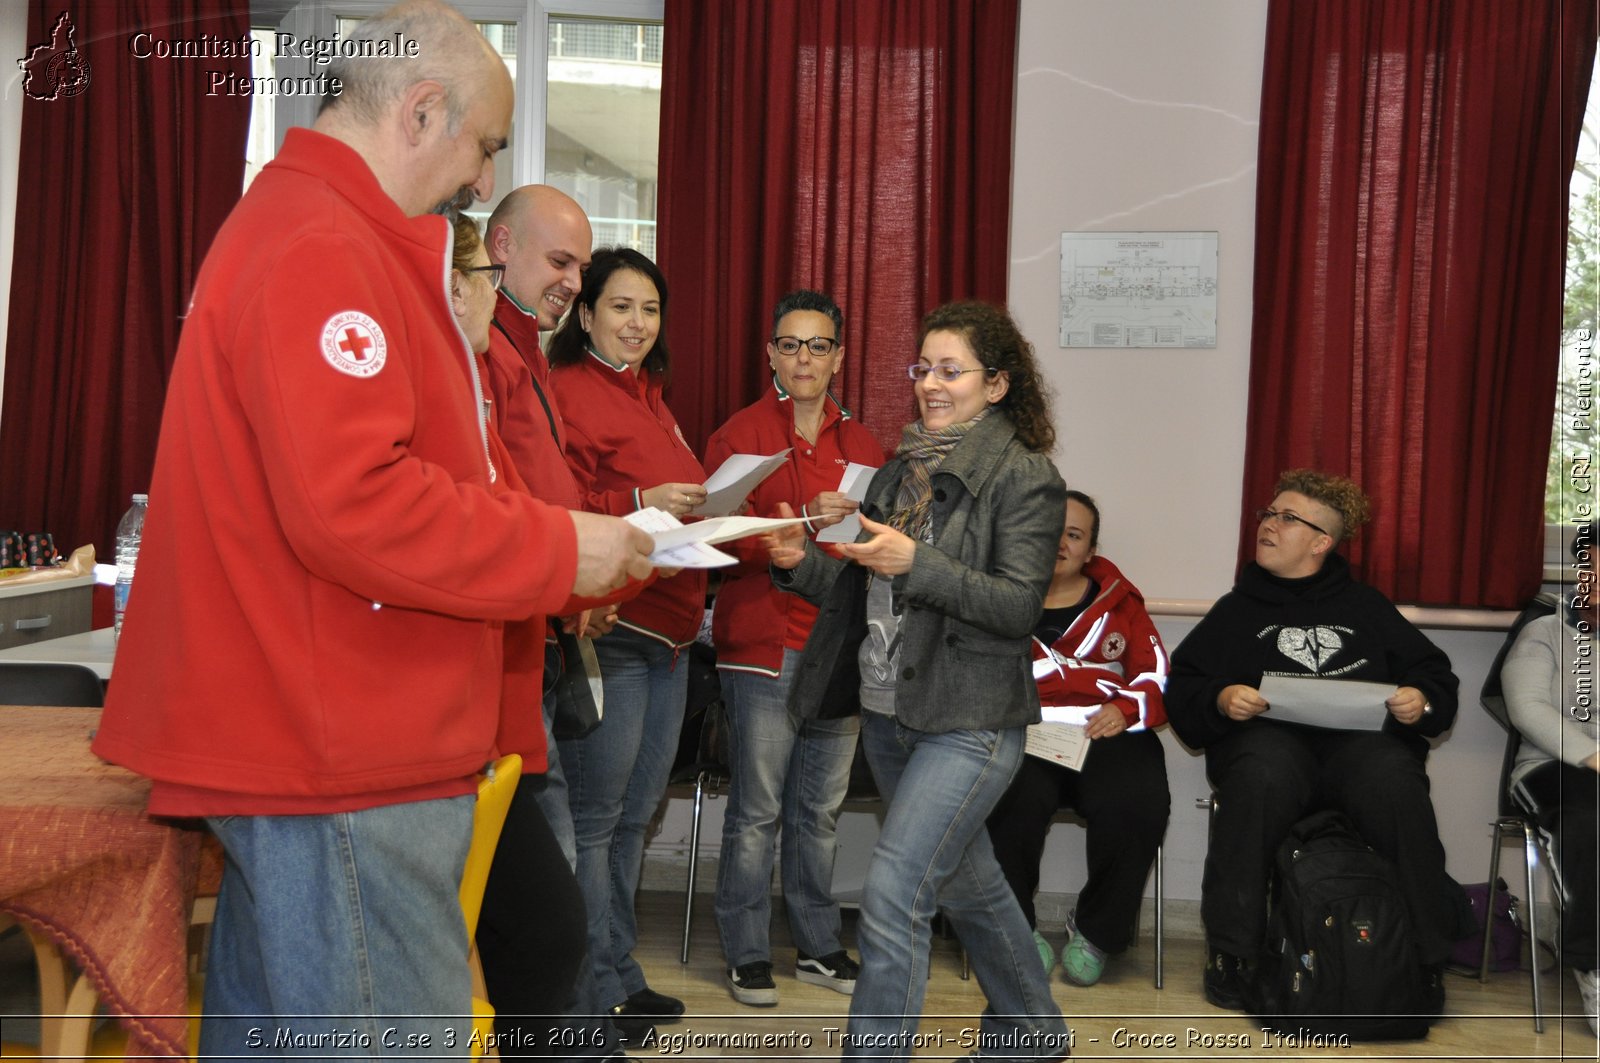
(82, 862)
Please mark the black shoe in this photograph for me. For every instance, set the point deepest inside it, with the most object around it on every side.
(1229, 981)
(1433, 989)
(751, 983)
(631, 1029)
(835, 971)
(650, 1004)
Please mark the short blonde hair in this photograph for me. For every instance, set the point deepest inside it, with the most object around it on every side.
(1338, 493)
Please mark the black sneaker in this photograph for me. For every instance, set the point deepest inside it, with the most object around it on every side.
(658, 1006)
(835, 971)
(751, 983)
(1229, 981)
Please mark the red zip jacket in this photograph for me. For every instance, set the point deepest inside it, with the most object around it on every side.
(329, 557)
(518, 376)
(621, 440)
(751, 619)
(523, 411)
(1115, 629)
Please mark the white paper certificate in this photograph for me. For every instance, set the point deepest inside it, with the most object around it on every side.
(1065, 744)
(729, 486)
(679, 554)
(1340, 704)
(680, 545)
(853, 485)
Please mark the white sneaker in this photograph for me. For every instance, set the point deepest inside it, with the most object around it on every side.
(1589, 990)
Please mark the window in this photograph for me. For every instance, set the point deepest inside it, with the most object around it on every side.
(1570, 493)
(603, 123)
(588, 102)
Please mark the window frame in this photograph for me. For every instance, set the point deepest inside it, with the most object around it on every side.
(317, 18)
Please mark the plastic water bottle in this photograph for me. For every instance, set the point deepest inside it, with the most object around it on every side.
(129, 529)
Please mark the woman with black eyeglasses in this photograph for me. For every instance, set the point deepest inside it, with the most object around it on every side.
(1297, 611)
(785, 772)
(928, 616)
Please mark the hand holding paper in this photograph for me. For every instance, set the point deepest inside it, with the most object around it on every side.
(853, 485)
(689, 545)
(1340, 704)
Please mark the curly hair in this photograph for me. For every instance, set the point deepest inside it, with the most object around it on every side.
(999, 344)
(1338, 493)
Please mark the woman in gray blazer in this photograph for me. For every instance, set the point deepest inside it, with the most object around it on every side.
(927, 620)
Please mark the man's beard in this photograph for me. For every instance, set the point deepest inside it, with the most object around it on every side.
(457, 203)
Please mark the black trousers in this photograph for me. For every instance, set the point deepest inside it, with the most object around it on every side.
(1570, 797)
(1268, 776)
(532, 936)
(1122, 795)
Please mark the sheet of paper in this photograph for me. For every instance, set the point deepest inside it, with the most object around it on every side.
(684, 553)
(1341, 704)
(729, 486)
(720, 530)
(1059, 743)
(853, 485)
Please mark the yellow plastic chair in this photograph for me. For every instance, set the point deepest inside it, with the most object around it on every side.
(495, 791)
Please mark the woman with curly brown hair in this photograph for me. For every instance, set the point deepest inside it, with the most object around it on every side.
(1297, 611)
(927, 619)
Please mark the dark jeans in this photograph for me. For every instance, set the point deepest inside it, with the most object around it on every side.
(1268, 776)
(531, 935)
(1122, 795)
(1570, 797)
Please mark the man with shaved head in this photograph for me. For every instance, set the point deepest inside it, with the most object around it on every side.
(542, 237)
(335, 550)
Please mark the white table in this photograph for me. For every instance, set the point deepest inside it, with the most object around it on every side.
(93, 648)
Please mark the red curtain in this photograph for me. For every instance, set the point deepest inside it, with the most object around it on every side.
(1410, 225)
(125, 176)
(862, 149)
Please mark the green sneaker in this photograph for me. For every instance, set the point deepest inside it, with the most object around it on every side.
(1047, 953)
(1081, 961)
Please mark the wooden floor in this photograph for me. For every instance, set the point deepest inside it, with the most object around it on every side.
(1123, 1018)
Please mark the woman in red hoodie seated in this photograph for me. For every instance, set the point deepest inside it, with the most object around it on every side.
(1104, 654)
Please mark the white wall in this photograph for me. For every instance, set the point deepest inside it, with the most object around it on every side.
(1142, 115)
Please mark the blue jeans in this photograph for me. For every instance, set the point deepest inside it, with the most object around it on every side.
(592, 1035)
(616, 775)
(341, 935)
(933, 852)
(784, 767)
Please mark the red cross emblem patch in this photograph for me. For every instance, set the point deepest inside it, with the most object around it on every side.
(353, 343)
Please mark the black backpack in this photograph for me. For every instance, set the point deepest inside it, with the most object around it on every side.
(1345, 958)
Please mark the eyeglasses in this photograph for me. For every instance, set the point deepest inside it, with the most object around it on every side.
(945, 371)
(819, 346)
(497, 273)
(1264, 515)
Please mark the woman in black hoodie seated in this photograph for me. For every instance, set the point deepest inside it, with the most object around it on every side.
(1297, 612)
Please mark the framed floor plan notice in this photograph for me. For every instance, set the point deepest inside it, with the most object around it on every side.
(1139, 289)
